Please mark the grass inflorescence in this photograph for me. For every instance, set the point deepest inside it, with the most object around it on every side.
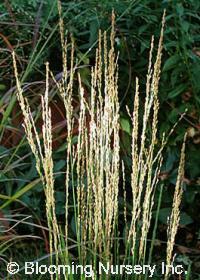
(93, 164)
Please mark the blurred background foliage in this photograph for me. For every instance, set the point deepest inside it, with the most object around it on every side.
(30, 27)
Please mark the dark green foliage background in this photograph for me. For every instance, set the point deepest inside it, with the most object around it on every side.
(136, 22)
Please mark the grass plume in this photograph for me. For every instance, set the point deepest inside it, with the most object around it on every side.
(93, 165)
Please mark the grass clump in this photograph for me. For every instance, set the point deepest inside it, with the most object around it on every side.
(93, 164)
